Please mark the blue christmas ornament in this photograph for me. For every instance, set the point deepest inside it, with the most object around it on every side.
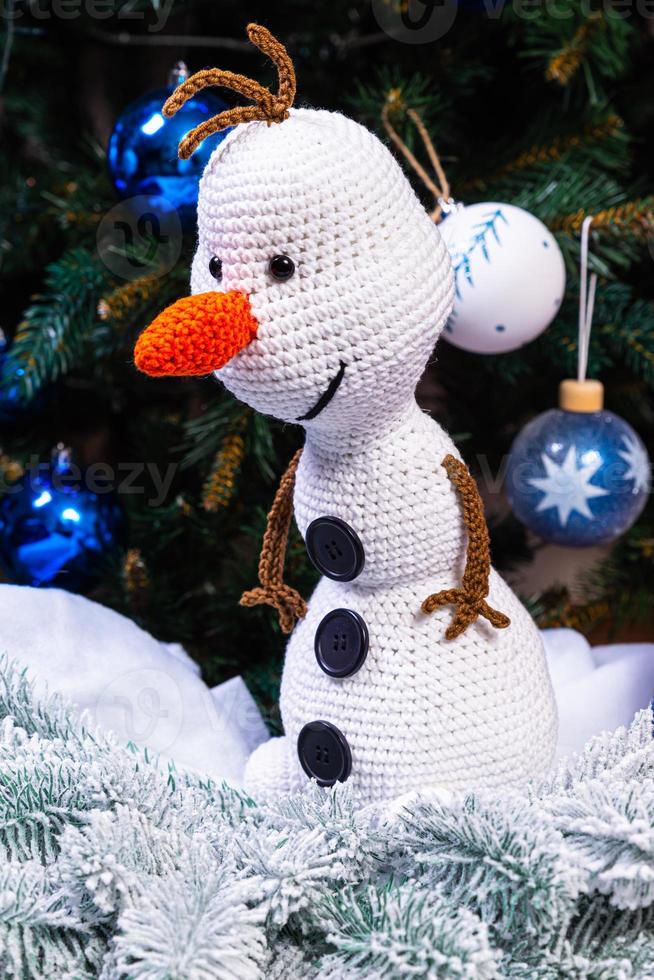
(56, 531)
(142, 153)
(578, 475)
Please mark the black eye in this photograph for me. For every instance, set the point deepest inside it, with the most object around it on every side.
(216, 268)
(281, 267)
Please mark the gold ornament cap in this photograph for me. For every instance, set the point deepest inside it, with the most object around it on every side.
(581, 396)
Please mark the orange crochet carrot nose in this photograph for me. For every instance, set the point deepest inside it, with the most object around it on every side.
(196, 335)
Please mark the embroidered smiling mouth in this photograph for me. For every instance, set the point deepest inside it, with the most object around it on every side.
(326, 396)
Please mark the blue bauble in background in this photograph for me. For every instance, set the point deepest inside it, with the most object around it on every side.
(578, 478)
(56, 531)
(142, 152)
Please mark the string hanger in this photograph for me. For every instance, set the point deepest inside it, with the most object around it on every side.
(441, 190)
(587, 288)
(583, 395)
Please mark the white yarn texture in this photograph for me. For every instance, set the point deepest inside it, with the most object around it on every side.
(372, 291)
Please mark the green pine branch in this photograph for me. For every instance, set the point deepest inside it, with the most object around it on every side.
(580, 51)
(631, 338)
(52, 337)
(600, 142)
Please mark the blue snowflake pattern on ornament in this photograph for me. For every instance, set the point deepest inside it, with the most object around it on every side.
(578, 478)
(635, 456)
(462, 261)
(567, 487)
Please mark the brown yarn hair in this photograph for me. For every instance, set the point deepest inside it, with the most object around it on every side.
(267, 107)
(470, 599)
(272, 590)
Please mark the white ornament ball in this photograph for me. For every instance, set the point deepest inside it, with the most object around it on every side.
(509, 276)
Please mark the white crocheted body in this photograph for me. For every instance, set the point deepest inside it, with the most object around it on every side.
(371, 292)
(473, 713)
(477, 711)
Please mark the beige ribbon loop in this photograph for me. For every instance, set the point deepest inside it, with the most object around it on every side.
(440, 190)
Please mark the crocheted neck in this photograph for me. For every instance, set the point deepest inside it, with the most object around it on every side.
(355, 439)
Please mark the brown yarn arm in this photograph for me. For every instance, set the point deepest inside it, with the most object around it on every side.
(470, 599)
(272, 590)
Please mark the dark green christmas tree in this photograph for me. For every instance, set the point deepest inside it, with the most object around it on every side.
(552, 113)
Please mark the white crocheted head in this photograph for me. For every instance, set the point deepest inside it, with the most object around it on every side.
(340, 343)
(372, 285)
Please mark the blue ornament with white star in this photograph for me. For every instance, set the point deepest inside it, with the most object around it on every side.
(578, 475)
(509, 276)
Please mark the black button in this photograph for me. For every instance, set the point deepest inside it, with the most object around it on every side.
(335, 549)
(324, 753)
(341, 643)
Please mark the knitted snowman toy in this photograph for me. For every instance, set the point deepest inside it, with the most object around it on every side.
(319, 288)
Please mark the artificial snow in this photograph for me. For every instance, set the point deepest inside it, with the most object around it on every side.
(150, 694)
